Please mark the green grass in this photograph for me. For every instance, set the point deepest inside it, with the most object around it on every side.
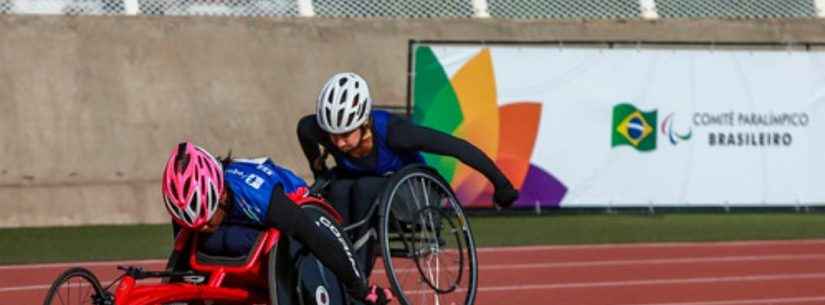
(596, 229)
(36, 245)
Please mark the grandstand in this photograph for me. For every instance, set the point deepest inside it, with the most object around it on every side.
(506, 9)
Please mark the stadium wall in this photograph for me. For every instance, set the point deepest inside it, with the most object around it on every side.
(90, 106)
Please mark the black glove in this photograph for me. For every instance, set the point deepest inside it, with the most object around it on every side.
(322, 180)
(505, 196)
(378, 296)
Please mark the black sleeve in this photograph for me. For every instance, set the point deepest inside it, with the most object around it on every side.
(286, 216)
(404, 135)
(310, 136)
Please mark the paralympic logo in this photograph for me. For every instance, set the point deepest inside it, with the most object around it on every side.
(673, 136)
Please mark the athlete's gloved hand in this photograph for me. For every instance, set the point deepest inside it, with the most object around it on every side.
(322, 180)
(505, 196)
(378, 296)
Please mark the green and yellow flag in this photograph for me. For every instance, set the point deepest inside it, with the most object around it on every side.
(634, 127)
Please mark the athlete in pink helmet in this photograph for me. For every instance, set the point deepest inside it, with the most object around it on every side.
(232, 199)
(193, 186)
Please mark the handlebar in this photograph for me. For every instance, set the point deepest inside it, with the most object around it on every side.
(139, 274)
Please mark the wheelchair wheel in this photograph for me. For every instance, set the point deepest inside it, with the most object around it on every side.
(428, 247)
(278, 275)
(296, 277)
(76, 286)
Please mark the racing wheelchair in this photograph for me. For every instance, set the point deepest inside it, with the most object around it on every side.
(424, 239)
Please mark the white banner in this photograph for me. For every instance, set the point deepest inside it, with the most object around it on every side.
(635, 127)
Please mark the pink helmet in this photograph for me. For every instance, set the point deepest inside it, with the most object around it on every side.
(192, 185)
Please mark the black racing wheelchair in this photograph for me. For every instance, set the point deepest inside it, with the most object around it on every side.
(426, 244)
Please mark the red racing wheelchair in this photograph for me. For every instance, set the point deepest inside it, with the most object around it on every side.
(427, 249)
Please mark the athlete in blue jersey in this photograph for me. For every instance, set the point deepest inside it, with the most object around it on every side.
(231, 200)
(368, 145)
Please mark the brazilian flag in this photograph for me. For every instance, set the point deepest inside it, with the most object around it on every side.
(633, 127)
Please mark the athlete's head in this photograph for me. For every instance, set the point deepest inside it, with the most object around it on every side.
(343, 107)
(192, 186)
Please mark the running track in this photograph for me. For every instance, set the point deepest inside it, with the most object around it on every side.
(734, 273)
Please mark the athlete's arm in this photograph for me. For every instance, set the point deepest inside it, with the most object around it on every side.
(310, 136)
(288, 217)
(404, 135)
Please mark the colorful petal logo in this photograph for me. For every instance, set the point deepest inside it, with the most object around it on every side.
(466, 106)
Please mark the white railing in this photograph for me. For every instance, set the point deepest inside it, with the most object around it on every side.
(508, 9)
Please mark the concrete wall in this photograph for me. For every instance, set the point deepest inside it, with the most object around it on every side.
(91, 106)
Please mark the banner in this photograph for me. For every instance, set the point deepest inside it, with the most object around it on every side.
(580, 126)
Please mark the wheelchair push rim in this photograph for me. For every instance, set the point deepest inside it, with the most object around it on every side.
(428, 247)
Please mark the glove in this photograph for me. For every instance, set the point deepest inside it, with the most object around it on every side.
(505, 196)
(322, 180)
(378, 296)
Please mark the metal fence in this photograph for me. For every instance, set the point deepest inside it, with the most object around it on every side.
(509, 9)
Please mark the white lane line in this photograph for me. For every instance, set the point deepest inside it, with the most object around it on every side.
(778, 257)
(749, 301)
(480, 250)
(686, 260)
(25, 288)
(84, 264)
(45, 287)
(656, 245)
(696, 280)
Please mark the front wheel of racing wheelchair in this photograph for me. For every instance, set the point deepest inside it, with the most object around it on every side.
(428, 250)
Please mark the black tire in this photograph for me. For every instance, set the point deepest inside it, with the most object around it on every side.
(279, 277)
(282, 276)
(420, 233)
(335, 290)
(76, 284)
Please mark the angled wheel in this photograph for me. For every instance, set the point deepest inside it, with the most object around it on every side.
(76, 286)
(278, 275)
(428, 247)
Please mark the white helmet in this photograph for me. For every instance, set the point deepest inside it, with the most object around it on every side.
(344, 103)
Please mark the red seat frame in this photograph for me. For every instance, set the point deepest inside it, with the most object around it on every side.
(223, 285)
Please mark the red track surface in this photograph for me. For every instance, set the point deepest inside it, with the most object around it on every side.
(739, 273)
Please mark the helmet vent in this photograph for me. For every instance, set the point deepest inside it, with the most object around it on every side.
(174, 188)
(342, 81)
(343, 98)
(340, 117)
(362, 109)
(350, 119)
(193, 204)
(330, 95)
(186, 218)
(186, 186)
(213, 196)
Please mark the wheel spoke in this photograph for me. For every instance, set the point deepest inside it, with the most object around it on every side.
(60, 298)
(412, 192)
